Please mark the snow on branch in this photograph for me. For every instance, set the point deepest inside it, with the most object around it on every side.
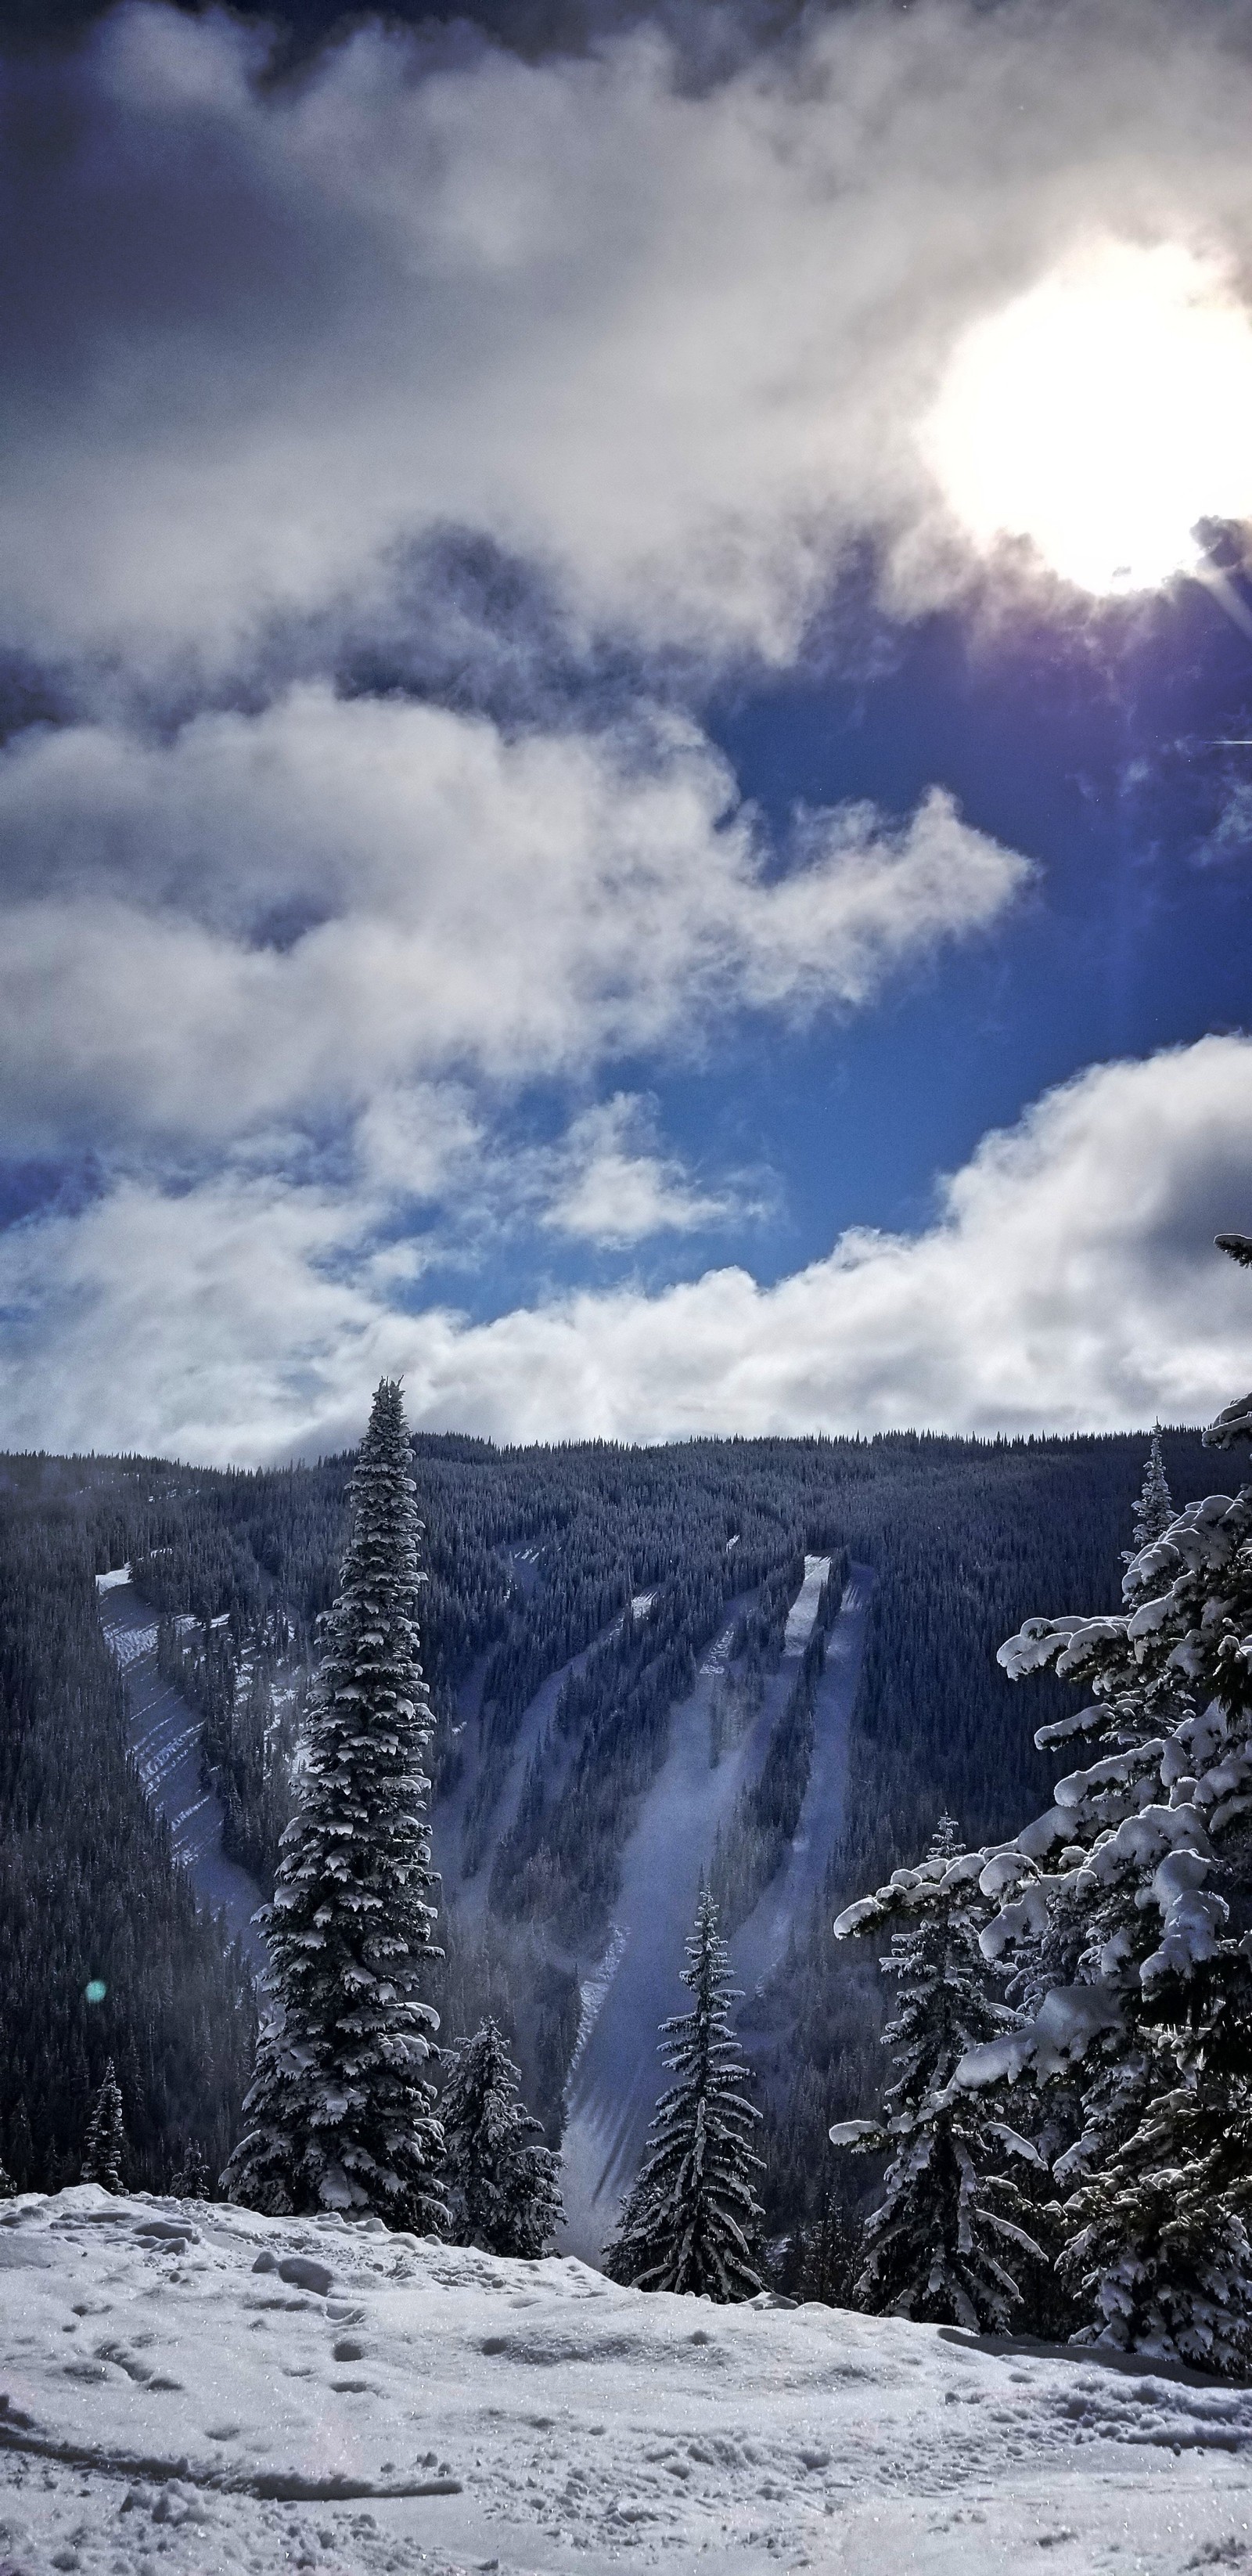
(1067, 2022)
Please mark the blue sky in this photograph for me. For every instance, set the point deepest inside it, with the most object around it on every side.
(1086, 751)
(588, 809)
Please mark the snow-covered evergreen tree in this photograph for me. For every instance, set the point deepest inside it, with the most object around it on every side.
(8, 2187)
(104, 2147)
(1153, 2204)
(1112, 1903)
(1161, 2239)
(692, 2222)
(502, 2189)
(1154, 1510)
(191, 2174)
(340, 2114)
(950, 2242)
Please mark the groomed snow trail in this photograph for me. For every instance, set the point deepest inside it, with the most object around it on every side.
(618, 2074)
(760, 1943)
(164, 1736)
(198, 2389)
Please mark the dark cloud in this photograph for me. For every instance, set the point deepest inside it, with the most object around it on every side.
(712, 35)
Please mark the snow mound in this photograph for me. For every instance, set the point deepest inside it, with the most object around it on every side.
(195, 2387)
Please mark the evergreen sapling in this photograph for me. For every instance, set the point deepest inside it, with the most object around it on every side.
(502, 2189)
(104, 2148)
(341, 2108)
(191, 2176)
(692, 2222)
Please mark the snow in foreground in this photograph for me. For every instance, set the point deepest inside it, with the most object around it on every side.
(192, 2388)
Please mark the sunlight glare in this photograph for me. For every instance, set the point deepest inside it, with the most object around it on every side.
(1101, 415)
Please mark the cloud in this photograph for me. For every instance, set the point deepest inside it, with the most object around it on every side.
(1068, 1282)
(273, 916)
(416, 1143)
(556, 388)
(1232, 832)
(667, 337)
(612, 1188)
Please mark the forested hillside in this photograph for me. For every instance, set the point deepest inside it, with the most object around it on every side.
(614, 1569)
(102, 1951)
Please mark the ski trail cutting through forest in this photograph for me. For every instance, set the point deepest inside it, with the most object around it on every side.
(760, 1944)
(618, 2073)
(163, 1732)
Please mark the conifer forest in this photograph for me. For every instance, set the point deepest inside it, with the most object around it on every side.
(566, 1609)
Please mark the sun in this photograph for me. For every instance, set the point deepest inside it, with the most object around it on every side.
(1101, 415)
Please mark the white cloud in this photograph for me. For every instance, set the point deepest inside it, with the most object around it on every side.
(275, 915)
(612, 1188)
(1068, 1282)
(169, 1308)
(278, 350)
(416, 1143)
(668, 339)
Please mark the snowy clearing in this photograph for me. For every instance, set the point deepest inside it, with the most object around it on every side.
(201, 2389)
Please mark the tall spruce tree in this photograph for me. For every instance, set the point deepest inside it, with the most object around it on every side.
(951, 2241)
(340, 2112)
(1154, 1510)
(503, 2191)
(692, 2222)
(104, 2147)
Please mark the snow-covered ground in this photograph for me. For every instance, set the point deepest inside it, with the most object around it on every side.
(195, 2389)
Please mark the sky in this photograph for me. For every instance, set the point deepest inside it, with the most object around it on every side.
(625, 693)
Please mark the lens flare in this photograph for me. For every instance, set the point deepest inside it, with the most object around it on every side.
(1101, 415)
(95, 1990)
